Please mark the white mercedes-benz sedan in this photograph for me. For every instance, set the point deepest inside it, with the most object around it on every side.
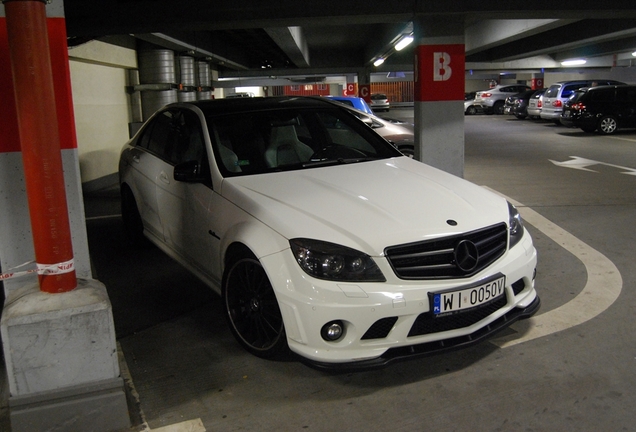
(320, 236)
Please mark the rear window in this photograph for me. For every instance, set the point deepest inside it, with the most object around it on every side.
(552, 91)
(378, 96)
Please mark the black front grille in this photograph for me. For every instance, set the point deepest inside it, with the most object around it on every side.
(435, 259)
(380, 329)
(427, 323)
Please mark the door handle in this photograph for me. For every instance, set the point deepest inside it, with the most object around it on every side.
(164, 178)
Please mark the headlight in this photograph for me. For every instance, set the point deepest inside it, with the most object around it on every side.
(515, 226)
(330, 261)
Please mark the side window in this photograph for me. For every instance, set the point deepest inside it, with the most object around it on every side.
(188, 139)
(160, 137)
(626, 95)
(144, 139)
(603, 96)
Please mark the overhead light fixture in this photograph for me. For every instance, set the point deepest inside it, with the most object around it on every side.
(575, 62)
(378, 62)
(403, 43)
(634, 53)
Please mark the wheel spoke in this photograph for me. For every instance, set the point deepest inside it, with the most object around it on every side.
(252, 307)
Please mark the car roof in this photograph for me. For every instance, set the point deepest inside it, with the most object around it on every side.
(605, 87)
(236, 105)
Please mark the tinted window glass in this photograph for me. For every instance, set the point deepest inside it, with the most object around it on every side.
(161, 136)
(602, 95)
(258, 142)
(626, 95)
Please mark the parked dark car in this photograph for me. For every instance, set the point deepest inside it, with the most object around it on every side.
(604, 109)
(558, 93)
(517, 105)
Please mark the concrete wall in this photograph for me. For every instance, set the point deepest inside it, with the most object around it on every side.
(102, 107)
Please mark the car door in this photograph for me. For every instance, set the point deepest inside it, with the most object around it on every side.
(183, 206)
(146, 160)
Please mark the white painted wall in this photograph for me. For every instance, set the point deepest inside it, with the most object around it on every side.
(102, 115)
(102, 106)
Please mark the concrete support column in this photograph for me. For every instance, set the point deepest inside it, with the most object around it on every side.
(439, 93)
(537, 82)
(364, 85)
(59, 348)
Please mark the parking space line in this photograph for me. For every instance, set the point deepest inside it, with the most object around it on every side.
(604, 285)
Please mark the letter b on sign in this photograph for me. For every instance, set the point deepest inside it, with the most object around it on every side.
(441, 66)
(439, 72)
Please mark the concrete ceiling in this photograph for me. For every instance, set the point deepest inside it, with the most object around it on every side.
(309, 37)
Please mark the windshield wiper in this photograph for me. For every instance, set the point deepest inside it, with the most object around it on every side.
(339, 161)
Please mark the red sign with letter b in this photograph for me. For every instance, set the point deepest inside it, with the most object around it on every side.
(439, 72)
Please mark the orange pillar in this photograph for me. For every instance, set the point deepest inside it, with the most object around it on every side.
(40, 143)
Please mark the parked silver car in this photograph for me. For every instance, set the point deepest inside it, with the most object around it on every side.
(535, 104)
(399, 133)
(380, 102)
(492, 101)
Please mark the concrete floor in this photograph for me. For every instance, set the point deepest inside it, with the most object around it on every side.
(575, 369)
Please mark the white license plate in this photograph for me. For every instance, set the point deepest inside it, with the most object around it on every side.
(460, 300)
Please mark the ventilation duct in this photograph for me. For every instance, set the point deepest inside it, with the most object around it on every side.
(156, 79)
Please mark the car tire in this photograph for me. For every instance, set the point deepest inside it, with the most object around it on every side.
(607, 125)
(408, 151)
(498, 107)
(520, 117)
(471, 110)
(133, 225)
(251, 308)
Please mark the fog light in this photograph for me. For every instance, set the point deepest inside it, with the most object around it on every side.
(332, 331)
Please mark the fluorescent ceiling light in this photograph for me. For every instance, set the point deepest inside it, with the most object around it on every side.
(378, 62)
(576, 62)
(403, 43)
(634, 53)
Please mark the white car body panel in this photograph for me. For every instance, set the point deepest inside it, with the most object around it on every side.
(327, 203)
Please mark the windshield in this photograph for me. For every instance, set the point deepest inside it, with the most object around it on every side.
(290, 139)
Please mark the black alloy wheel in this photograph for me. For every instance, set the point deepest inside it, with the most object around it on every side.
(607, 125)
(498, 107)
(252, 309)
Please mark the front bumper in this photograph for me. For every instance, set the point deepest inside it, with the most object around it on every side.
(394, 355)
(379, 318)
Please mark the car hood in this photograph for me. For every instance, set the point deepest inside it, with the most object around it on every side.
(367, 206)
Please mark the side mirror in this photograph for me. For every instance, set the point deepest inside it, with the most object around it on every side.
(188, 172)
